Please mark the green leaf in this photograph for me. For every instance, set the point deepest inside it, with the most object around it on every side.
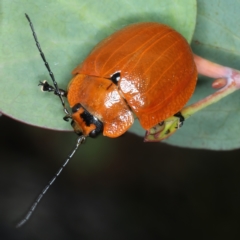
(217, 38)
(67, 31)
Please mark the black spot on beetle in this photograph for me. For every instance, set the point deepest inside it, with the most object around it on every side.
(115, 78)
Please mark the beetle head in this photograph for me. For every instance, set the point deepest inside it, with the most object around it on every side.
(85, 123)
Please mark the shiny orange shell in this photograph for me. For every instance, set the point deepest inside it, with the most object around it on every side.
(157, 77)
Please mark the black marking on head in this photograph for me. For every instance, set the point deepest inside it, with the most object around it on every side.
(90, 119)
(115, 78)
(87, 117)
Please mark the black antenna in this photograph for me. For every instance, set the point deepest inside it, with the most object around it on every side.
(47, 65)
(80, 140)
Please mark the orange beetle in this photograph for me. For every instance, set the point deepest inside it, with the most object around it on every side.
(145, 69)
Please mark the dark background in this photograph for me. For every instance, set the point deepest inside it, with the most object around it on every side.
(115, 188)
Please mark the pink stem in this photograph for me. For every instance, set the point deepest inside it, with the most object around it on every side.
(210, 69)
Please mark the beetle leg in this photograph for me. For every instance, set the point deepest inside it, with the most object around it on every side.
(157, 128)
(67, 117)
(46, 87)
(181, 119)
(164, 129)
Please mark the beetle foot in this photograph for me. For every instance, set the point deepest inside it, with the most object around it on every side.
(181, 119)
(164, 129)
(46, 87)
(67, 117)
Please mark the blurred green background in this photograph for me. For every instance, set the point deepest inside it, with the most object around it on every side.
(115, 188)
